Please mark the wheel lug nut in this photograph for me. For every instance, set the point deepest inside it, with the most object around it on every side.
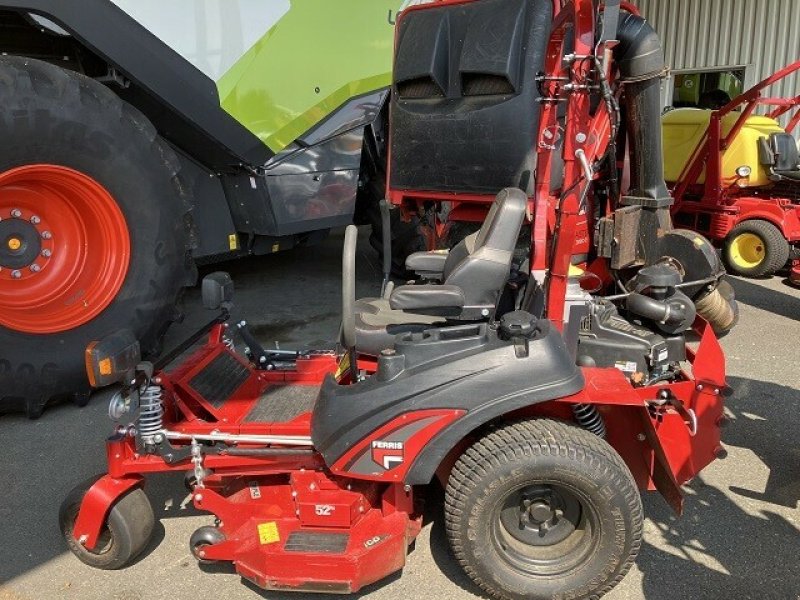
(16, 213)
(35, 220)
(16, 274)
(47, 235)
(47, 253)
(36, 268)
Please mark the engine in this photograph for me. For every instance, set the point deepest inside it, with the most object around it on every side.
(645, 336)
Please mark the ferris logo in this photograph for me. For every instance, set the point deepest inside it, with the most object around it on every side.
(387, 454)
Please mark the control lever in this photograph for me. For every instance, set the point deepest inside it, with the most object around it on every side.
(257, 353)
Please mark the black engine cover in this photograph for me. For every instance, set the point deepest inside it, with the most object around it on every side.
(607, 339)
(464, 109)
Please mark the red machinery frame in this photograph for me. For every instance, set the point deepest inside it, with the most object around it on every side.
(262, 499)
(725, 202)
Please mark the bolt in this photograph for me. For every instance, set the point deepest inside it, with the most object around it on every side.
(16, 213)
(16, 274)
(47, 253)
(641, 437)
(580, 138)
(46, 235)
(35, 220)
(35, 268)
(198, 498)
(699, 387)
(201, 553)
(485, 312)
(83, 539)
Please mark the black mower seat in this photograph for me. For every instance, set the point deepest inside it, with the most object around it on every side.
(472, 276)
(780, 155)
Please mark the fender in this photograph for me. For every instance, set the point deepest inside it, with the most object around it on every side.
(97, 503)
(428, 460)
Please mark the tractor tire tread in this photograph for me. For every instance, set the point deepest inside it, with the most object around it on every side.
(531, 438)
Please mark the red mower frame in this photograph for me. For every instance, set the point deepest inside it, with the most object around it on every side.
(273, 485)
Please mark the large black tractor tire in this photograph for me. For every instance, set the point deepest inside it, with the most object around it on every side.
(51, 118)
(542, 509)
(756, 248)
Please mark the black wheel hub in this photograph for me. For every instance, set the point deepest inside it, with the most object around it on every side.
(20, 244)
(540, 515)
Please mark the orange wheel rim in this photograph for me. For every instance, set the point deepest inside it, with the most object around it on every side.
(64, 249)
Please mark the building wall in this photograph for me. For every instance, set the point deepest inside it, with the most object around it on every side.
(760, 35)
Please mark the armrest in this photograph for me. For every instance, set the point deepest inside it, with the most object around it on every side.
(429, 265)
(438, 300)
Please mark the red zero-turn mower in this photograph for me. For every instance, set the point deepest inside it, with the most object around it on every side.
(542, 392)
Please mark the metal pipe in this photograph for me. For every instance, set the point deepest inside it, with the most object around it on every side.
(231, 438)
(349, 287)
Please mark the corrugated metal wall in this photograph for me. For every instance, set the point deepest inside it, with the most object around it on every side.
(761, 35)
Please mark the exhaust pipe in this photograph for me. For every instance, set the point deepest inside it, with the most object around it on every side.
(640, 59)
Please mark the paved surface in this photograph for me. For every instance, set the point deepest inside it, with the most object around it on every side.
(739, 537)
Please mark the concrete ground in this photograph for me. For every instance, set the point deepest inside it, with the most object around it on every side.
(739, 536)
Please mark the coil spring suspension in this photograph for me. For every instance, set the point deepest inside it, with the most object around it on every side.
(151, 412)
(589, 418)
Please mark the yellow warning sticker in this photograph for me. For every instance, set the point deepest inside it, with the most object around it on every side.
(268, 533)
(233, 242)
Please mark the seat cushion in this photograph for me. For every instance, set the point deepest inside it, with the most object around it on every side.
(377, 324)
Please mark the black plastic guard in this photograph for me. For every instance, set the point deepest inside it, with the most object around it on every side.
(464, 104)
(466, 367)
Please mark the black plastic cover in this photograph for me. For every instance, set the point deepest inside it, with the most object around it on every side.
(465, 107)
(466, 367)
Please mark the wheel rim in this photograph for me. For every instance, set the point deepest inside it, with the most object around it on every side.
(747, 250)
(64, 249)
(544, 529)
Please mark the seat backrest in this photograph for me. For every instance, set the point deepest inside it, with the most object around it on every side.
(784, 148)
(480, 263)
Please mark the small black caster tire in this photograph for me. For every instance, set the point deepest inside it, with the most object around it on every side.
(207, 535)
(126, 532)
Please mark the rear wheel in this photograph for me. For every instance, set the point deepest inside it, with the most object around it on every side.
(756, 249)
(94, 230)
(542, 509)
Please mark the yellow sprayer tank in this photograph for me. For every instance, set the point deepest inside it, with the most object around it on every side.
(683, 128)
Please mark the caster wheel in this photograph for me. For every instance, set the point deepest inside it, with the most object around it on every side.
(201, 539)
(128, 528)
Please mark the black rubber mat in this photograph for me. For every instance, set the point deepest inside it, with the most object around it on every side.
(282, 403)
(220, 379)
(323, 543)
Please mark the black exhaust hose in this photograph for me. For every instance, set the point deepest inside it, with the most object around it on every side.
(640, 59)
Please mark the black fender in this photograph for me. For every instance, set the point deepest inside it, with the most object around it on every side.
(466, 368)
(427, 462)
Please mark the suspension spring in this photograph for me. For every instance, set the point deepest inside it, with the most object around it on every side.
(589, 418)
(151, 412)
